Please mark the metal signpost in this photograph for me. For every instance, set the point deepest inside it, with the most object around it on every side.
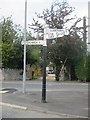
(44, 64)
(48, 34)
(44, 44)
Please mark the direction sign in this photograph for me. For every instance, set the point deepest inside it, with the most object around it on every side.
(54, 33)
(56, 30)
(34, 42)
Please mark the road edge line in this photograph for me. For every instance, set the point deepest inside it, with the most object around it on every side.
(13, 106)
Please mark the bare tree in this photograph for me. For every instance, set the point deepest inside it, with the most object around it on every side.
(57, 16)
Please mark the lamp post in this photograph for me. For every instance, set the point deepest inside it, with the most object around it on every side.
(25, 37)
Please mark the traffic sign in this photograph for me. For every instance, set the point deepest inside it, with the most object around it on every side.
(55, 33)
(56, 30)
(34, 42)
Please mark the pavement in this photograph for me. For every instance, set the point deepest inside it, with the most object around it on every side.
(29, 104)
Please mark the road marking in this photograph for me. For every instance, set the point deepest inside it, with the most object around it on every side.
(3, 92)
(86, 108)
(13, 106)
(46, 111)
(67, 115)
(40, 110)
(58, 90)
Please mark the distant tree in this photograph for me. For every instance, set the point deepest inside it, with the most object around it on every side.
(8, 30)
(11, 48)
(59, 16)
(56, 17)
(12, 55)
(33, 55)
(83, 69)
(69, 48)
(88, 68)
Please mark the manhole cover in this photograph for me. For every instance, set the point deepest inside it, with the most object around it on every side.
(8, 90)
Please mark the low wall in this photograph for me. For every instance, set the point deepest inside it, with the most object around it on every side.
(11, 74)
(17, 74)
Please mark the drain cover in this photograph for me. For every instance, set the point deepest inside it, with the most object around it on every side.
(8, 90)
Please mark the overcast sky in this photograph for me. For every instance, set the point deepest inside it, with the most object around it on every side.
(16, 8)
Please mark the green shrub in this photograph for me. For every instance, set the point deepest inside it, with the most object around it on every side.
(82, 69)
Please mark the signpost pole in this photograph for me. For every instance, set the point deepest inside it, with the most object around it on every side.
(25, 31)
(44, 76)
(44, 68)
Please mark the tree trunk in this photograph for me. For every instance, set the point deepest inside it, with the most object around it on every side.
(57, 73)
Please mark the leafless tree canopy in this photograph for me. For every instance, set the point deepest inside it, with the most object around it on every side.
(57, 16)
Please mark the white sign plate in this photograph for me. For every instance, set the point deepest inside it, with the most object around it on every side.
(56, 30)
(55, 33)
(34, 42)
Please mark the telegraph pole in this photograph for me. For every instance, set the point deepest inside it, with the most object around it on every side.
(25, 37)
(89, 27)
(85, 43)
(84, 29)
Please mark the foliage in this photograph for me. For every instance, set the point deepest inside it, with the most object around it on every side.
(88, 68)
(33, 55)
(70, 46)
(12, 55)
(11, 48)
(0, 54)
(8, 31)
(67, 47)
(81, 69)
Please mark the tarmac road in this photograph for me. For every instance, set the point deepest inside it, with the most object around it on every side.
(63, 99)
